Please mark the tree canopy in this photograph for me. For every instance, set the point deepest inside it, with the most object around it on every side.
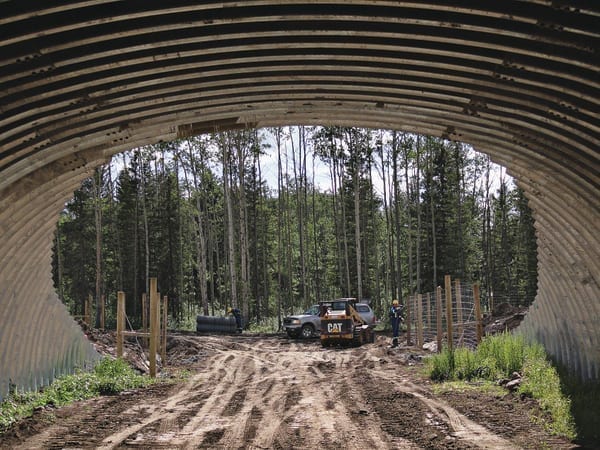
(245, 218)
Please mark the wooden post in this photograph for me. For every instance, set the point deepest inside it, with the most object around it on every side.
(120, 322)
(154, 325)
(448, 289)
(478, 316)
(438, 302)
(420, 321)
(102, 311)
(408, 337)
(163, 329)
(459, 312)
(428, 300)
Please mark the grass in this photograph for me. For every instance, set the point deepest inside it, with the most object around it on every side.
(267, 325)
(498, 357)
(110, 376)
(482, 386)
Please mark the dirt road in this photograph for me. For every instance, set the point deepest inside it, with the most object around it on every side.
(268, 392)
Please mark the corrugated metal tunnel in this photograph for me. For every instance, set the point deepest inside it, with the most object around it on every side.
(82, 81)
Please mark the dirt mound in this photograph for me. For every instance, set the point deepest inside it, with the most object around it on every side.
(504, 317)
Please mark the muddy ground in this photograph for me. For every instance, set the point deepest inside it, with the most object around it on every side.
(270, 392)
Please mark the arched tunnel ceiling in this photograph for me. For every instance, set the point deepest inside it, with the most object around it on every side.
(83, 80)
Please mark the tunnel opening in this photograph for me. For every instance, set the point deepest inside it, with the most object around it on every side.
(425, 207)
(85, 81)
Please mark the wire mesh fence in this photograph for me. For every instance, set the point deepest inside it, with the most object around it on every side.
(450, 316)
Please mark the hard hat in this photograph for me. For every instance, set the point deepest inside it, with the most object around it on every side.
(395, 302)
(229, 310)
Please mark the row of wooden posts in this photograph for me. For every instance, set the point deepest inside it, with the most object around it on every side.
(157, 333)
(449, 315)
(153, 332)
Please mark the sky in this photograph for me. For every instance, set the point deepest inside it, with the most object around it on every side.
(322, 178)
(317, 171)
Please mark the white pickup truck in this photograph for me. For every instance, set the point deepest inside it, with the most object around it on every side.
(303, 325)
(308, 324)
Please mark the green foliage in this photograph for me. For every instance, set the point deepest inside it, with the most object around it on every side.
(110, 376)
(115, 375)
(441, 367)
(268, 325)
(496, 357)
(186, 323)
(69, 389)
(541, 381)
(17, 406)
(393, 201)
(501, 355)
(466, 364)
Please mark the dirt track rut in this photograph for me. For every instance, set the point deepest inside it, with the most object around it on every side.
(272, 393)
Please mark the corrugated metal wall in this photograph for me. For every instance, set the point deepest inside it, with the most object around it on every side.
(42, 351)
(83, 81)
(41, 341)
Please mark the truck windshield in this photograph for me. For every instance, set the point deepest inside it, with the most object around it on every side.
(312, 311)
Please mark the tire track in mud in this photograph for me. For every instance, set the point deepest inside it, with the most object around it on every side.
(272, 393)
(176, 413)
(442, 426)
(283, 397)
(266, 401)
(240, 419)
(85, 424)
(304, 382)
(314, 415)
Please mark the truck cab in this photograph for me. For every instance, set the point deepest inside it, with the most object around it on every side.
(303, 325)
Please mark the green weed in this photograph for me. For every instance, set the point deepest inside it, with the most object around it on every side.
(110, 376)
(267, 325)
(501, 355)
(541, 382)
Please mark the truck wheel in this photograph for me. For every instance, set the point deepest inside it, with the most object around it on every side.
(307, 331)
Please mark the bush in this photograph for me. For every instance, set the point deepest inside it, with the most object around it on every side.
(465, 364)
(68, 389)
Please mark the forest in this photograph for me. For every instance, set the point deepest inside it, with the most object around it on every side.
(274, 220)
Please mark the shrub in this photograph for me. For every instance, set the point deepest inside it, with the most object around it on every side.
(114, 376)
